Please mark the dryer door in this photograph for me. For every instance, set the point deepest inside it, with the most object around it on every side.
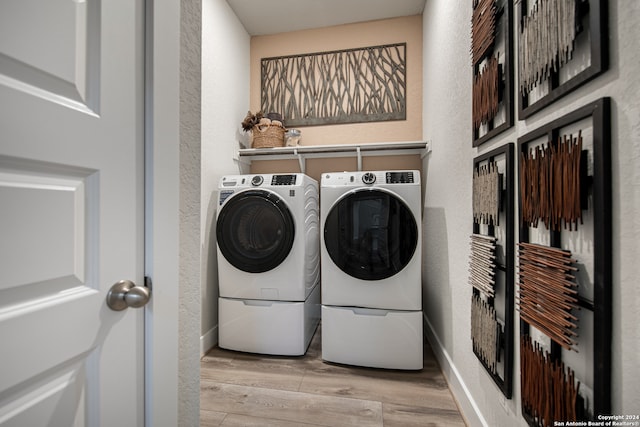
(370, 234)
(255, 231)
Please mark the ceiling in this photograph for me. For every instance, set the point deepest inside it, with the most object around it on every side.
(261, 17)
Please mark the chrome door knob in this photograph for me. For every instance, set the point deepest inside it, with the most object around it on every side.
(126, 294)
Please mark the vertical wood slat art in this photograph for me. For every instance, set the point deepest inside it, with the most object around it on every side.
(486, 93)
(550, 184)
(487, 186)
(549, 389)
(491, 57)
(346, 86)
(546, 41)
(550, 31)
(485, 333)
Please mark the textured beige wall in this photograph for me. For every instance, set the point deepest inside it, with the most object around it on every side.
(373, 33)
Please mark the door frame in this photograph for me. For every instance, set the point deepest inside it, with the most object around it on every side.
(162, 201)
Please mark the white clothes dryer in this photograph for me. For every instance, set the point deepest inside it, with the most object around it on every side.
(372, 268)
(268, 251)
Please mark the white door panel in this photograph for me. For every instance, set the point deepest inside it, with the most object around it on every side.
(52, 50)
(43, 221)
(71, 211)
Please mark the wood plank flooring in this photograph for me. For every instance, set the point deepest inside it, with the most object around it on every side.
(241, 389)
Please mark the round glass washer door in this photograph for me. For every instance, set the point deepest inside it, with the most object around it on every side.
(255, 231)
(370, 234)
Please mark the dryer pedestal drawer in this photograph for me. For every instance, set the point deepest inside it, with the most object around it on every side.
(268, 327)
(371, 337)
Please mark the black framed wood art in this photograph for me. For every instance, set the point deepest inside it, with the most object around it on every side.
(565, 267)
(562, 45)
(491, 265)
(491, 57)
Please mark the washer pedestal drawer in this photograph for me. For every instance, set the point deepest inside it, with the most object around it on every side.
(371, 337)
(268, 327)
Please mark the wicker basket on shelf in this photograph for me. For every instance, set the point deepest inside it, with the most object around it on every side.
(267, 136)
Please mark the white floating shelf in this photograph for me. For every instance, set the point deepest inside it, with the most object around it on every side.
(302, 152)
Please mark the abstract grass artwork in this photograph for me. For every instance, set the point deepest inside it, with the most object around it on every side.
(345, 86)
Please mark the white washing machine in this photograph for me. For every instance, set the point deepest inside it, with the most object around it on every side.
(267, 234)
(372, 268)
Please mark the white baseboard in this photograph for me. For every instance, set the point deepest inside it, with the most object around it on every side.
(208, 340)
(457, 386)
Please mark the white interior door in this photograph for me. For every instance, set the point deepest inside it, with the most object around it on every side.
(71, 211)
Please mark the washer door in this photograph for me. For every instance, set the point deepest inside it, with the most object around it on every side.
(370, 234)
(255, 231)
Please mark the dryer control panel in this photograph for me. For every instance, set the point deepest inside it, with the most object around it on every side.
(399, 177)
(371, 178)
(283, 180)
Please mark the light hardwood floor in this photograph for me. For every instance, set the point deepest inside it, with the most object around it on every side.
(241, 389)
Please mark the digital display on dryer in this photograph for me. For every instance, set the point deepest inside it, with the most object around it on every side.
(399, 177)
(283, 180)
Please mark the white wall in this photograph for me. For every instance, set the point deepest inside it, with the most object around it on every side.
(225, 101)
(447, 215)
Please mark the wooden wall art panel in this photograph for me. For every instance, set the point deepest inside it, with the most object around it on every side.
(492, 89)
(564, 267)
(492, 265)
(562, 44)
(346, 86)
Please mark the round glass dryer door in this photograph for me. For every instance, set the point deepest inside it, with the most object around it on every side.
(370, 234)
(255, 231)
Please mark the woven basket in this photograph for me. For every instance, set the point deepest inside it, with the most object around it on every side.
(267, 136)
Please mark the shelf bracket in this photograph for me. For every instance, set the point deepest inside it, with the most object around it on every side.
(243, 166)
(301, 160)
(426, 151)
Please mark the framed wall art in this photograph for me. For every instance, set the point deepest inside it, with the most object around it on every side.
(562, 44)
(344, 86)
(491, 47)
(564, 267)
(491, 265)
